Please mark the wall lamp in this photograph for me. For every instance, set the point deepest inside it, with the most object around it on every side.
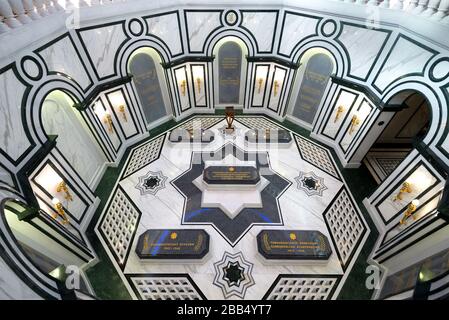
(260, 83)
(411, 208)
(62, 187)
(183, 86)
(355, 121)
(60, 211)
(406, 188)
(121, 109)
(276, 87)
(340, 111)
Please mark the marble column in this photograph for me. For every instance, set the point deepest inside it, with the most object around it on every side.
(442, 10)
(431, 8)
(30, 10)
(19, 10)
(6, 11)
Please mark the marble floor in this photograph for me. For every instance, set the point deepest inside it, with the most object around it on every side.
(156, 190)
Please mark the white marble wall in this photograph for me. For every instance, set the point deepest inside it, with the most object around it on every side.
(200, 25)
(62, 57)
(74, 140)
(12, 287)
(102, 46)
(296, 28)
(166, 28)
(5, 176)
(13, 140)
(362, 53)
(405, 58)
(262, 26)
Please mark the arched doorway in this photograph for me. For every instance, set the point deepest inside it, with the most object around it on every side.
(406, 129)
(316, 67)
(75, 141)
(230, 72)
(38, 257)
(145, 65)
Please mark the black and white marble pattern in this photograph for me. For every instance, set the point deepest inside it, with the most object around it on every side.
(310, 183)
(233, 275)
(151, 183)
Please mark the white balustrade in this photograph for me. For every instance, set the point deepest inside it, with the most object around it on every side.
(15, 13)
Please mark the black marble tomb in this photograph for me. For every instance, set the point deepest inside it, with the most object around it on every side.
(246, 175)
(293, 245)
(173, 244)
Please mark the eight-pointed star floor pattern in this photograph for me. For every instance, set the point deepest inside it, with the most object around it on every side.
(129, 213)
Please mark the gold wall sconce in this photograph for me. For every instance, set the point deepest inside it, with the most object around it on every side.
(411, 208)
(121, 109)
(260, 82)
(198, 84)
(60, 211)
(406, 188)
(276, 87)
(183, 86)
(62, 187)
(107, 120)
(340, 111)
(355, 121)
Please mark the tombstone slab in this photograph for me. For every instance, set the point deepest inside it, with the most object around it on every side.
(173, 244)
(293, 245)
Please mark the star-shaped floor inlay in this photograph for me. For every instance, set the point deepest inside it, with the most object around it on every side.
(233, 275)
(310, 183)
(232, 228)
(151, 183)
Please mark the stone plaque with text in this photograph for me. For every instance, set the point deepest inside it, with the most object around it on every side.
(268, 136)
(314, 82)
(293, 245)
(229, 72)
(143, 69)
(246, 175)
(173, 244)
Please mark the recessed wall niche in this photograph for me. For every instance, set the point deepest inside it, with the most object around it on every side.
(75, 141)
(145, 65)
(230, 71)
(317, 65)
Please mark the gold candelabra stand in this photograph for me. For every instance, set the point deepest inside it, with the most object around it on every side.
(62, 187)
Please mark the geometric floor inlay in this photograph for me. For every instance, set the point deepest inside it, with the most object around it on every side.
(161, 187)
(232, 229)
(310, 183)
(233, 274)
(151, 183)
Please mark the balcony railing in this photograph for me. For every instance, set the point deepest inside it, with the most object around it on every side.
(16, 13)
(436, 10)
